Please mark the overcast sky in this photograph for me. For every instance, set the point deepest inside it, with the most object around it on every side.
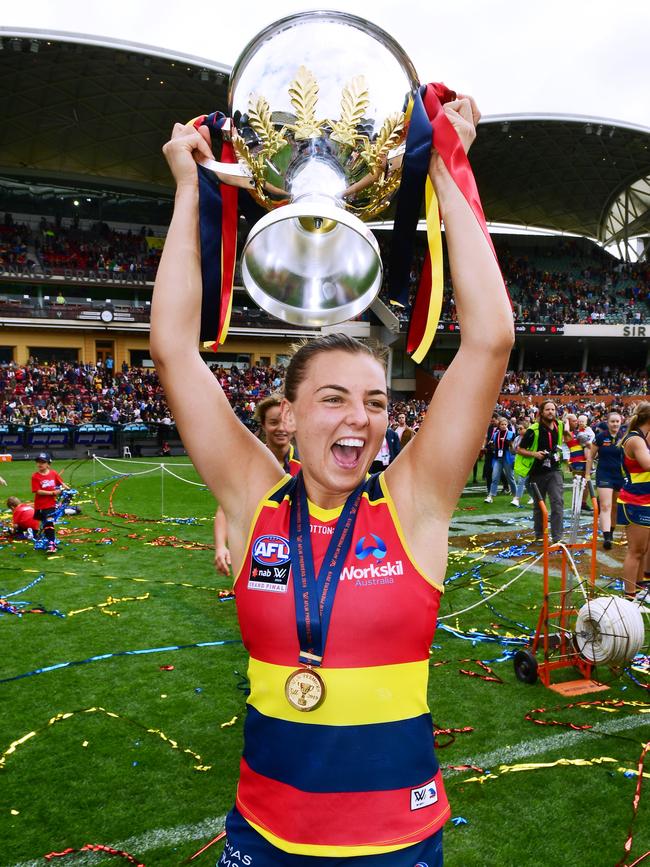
(586, 57)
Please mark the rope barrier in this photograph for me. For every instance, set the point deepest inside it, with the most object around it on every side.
(609, 630)
(496, 592)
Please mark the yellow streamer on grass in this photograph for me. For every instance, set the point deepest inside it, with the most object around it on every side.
(59, 717)
(110, 601)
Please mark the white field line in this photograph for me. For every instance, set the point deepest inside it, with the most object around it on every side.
(527, 749)
(144, 843)
(211, 827)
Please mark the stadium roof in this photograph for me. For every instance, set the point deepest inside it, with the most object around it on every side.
(92, 111)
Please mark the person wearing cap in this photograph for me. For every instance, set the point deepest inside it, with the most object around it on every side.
(47, 484)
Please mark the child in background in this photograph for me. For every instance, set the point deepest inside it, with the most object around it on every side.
(22, 514)
(47, 484)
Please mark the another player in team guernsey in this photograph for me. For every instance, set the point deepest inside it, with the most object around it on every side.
(339, 575)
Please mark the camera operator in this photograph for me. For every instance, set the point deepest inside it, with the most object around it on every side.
(538, 457)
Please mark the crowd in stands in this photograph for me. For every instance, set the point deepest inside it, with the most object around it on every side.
(607, 381)
(70, 393)
(554, 286)
(98, 250)
(569, 281)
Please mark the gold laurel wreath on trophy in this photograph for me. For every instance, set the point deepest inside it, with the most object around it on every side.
(303, 93)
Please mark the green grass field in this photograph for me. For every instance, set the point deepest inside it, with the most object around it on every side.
(121, 768)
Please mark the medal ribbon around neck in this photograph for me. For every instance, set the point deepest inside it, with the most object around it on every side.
(314, 597)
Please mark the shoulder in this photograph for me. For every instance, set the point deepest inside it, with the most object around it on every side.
(528, 436)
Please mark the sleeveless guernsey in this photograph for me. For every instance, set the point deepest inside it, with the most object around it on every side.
(634, 496)
(577, 459)
(358, 775)
(291, 463)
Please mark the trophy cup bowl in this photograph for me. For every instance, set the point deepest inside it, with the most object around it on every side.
(318, 102)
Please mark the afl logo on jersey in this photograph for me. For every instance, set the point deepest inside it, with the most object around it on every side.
(374, 546)
(270, 564)
(271, 550)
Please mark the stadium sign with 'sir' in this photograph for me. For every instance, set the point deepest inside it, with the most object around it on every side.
(270, 564)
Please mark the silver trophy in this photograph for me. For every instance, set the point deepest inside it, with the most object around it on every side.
(319, 104)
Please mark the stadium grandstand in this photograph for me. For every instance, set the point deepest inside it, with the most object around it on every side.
(85, 199)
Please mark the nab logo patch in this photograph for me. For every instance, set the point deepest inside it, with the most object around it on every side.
(270, 564)
(376, 547)
(424, 796)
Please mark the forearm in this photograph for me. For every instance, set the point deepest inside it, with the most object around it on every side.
(176, 306)
(484, 310)
(220, 529)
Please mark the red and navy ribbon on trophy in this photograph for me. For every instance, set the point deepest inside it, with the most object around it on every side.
(429, 127)
(314, 597)
(218, 208)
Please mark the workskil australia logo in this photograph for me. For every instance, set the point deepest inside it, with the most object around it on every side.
(376, 572)
(270, 564)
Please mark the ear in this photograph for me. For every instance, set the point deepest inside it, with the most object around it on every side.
(287, 416)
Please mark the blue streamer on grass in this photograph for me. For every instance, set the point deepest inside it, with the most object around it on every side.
(22, 589)
(476, 637)
(103, 656)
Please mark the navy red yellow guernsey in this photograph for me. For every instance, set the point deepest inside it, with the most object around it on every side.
(577, 458)
(358, 775)
(636, 486)
(291, 463)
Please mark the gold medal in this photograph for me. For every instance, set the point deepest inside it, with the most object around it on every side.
(305, 689)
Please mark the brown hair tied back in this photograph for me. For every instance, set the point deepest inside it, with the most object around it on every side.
(641, 415)
(306, 350)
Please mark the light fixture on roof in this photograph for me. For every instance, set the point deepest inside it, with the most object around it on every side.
(34, 45)
(76, 203)
(599, 129)
(505, 127)
(612, 131)
(2, 44)
(204, 75)
(589, 128)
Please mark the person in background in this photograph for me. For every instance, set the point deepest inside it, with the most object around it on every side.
(403, 431)
(520, 481)
(634, 500)
(538, 459)
(502, 460)
(606, 450)
(277, 438)
(47, 484)
(387, 453)
(577, 439)
(22, 515)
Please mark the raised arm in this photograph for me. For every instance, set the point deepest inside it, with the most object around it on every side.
(434, 469)
(222, 559)
(232, 462)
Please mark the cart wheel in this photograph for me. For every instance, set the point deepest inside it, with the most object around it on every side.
(525, 666)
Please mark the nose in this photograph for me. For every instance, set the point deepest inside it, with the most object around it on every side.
(357, 414)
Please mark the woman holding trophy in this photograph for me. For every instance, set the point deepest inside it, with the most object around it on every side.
(339, 574)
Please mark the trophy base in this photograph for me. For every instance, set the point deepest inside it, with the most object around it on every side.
(312, 263)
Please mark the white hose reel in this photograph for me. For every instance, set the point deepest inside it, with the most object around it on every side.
(609, 630)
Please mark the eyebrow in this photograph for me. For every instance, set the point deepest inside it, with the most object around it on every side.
(345, 390)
